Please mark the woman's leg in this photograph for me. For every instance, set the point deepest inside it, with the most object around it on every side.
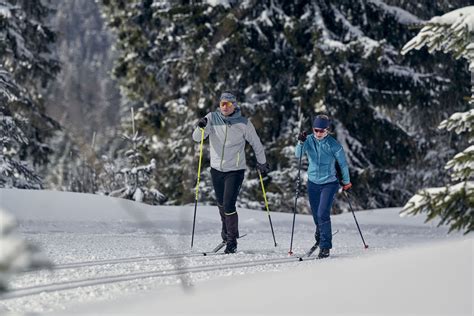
(314, 196)
(328, 191)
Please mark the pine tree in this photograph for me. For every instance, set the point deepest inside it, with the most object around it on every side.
(282, 58)
(27, 62)
(453, 204)
(131, 180)
(14, 173)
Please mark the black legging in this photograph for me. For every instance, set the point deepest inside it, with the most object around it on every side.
(227, 186)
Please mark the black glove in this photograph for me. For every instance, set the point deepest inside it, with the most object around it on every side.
(202, 122)
(302, 137)
(264, 168)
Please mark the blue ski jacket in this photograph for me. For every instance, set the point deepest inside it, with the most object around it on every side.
(322, 155)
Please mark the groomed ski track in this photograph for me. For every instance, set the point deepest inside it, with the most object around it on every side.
(180, 269)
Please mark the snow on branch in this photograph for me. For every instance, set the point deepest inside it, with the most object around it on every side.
(132, 180)
(460, 122)
(9, 90)
(453, 205)
(462, 165)
(451, 32)
(404, 17)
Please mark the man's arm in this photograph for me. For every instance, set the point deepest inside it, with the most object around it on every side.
(254, 141)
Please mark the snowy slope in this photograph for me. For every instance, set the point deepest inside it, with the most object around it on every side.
(111, 255)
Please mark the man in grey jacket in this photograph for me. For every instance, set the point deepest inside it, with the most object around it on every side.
(228, 131)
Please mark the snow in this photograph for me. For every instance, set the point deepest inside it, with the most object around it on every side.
(459, 122)
(375, 285)
(215, 3)
(461, 164)
(446, 33)
(5, 12)
(422, 198)
(16, 254)
(404, 17)
(458, 19)
(107, 260)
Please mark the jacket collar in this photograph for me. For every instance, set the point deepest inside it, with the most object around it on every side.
(234, 118)
(325, 139)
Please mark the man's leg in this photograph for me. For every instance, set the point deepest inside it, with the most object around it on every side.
(233, 182)
(218, 184)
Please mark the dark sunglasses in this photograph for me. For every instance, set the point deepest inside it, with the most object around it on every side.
(318, 130)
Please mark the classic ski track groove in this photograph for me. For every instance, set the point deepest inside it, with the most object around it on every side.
(68, 285)
(127, 260)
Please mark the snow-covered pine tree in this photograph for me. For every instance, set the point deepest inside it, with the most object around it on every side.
(281, 58)
(17, 255)
(131, 181)
(14, 172)
(25, 54)
(452, 204)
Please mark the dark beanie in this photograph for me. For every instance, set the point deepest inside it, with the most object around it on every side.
(321, 122)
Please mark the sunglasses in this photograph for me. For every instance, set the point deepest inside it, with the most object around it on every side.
(318, 130)
(225, 103)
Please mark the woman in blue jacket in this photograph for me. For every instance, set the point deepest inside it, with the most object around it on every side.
(323, 151)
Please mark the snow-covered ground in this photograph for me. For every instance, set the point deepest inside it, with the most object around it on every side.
(116, 257)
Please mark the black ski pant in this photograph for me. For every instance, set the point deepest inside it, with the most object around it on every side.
(227, 186)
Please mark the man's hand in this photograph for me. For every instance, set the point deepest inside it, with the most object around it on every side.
(202, 122)
(264, 168)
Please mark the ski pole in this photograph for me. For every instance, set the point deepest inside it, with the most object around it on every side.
(197, 185)
(266, 206)
(296, 200)
(352, 210)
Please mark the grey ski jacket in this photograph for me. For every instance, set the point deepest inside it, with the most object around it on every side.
(227, 136)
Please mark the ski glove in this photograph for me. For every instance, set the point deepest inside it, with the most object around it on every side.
(264, 168)
(346, 187)
(302, 137)
(202, 122)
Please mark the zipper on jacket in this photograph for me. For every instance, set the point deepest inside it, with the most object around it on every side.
(319, 158)
(238, 159)
(223, 146)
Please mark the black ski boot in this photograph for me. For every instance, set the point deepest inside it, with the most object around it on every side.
(231, 246)
(323, 253)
